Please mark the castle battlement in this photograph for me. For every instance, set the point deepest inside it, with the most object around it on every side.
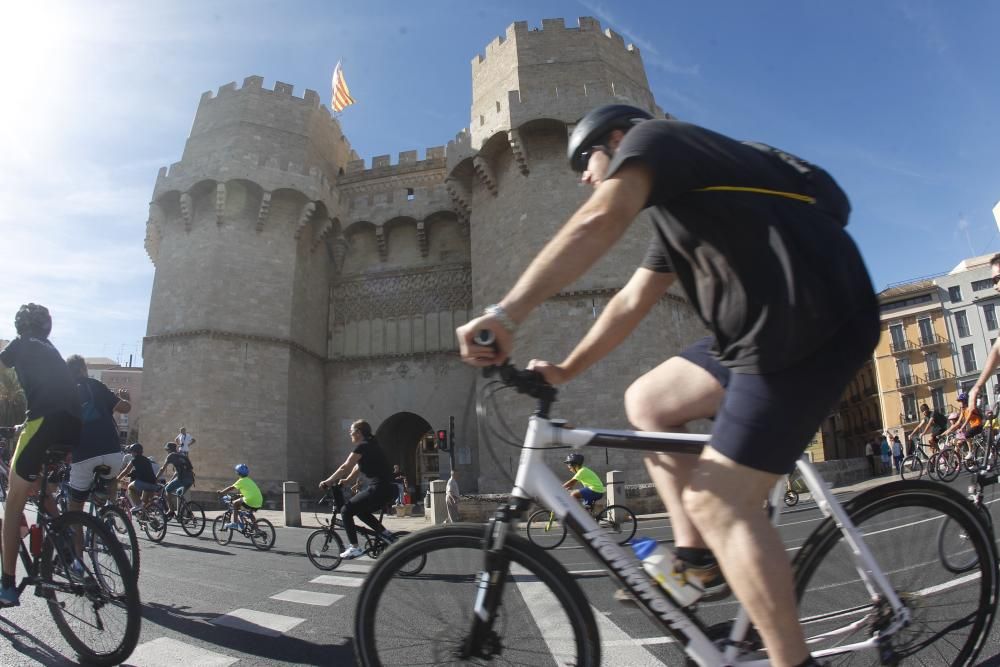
(255, 83)
(381, 165)
(553, 31)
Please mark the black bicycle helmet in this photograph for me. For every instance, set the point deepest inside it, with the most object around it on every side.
(593, 127)
(135, 448)
(170, 446)
(574, 459)
(33, 320)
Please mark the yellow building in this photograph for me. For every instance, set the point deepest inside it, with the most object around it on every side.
(855, 420)
(913, 361)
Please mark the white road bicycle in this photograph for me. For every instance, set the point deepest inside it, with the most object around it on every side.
(872, 582)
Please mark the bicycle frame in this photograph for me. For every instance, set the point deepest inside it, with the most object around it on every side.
(535, 480)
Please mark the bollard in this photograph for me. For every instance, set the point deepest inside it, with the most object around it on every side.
(615, 488)
(293, 512)
(439, 511)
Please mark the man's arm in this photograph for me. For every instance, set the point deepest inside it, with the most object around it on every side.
(123, 405)
(125, 471)
(621, 316)
(992, 360)
(588, 235)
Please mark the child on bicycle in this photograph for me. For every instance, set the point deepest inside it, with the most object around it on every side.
(183, 478)
(140, 469)
(250, 495)
(53, 423)
(591, 488)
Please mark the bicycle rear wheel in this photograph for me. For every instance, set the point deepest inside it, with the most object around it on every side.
(950, 614)
(619, 521)
(911, 468)
(412, 567)
(191, 517)
(97, 609)
(262, 534)
(121, 526)
(445, 593)
(545, 529)
(154, 523)
(323, 548)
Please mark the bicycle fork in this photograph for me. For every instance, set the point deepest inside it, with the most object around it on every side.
(480, 642)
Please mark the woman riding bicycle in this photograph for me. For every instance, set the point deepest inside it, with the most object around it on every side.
(367, 458)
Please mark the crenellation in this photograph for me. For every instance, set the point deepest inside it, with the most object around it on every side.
(227, 88)
(312, 97)
(380, 161)
(407, 157)
(282, 88)
(253, 81)
(615, 37)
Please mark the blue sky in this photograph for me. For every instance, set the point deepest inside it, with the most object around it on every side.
(897, 99)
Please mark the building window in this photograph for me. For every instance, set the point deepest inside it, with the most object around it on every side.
(910, 407)
(409, 194)
(969, 358)
(962, 324)
(933, 366)
(955, 293)
(980, 285)
(990, 313)
(897, 336)
(937, 399)
(903, 371)
(905, 303)
(926, 330)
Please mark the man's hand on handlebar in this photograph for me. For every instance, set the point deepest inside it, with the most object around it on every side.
(484, 355)
(553, 373)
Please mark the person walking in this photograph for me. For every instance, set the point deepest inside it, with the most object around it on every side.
(451, 498)
(897, 453)
(886, 450)
(870, 455)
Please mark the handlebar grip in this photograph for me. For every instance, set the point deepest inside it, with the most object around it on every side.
(486, 338)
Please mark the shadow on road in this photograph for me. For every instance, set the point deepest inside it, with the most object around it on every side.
(31, 646)
(187, 547)
(281, 648)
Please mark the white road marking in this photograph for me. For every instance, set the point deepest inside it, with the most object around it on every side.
(167, 652)
(260, 622)
(307, 597)
(330, 580)
(363, 568)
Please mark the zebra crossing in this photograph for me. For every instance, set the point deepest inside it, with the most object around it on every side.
(165, 651)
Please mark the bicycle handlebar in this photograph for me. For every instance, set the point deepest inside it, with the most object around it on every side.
(527, 382)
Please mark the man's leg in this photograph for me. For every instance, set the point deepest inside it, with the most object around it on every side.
(665, 399)
(724, 500)
(17, 495)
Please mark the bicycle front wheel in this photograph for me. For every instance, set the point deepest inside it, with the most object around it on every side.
(323, 548)
(619, 521)
(954, 543)
(222, 534)
(386, 632)
(191, 517)
(911, 468)
(950, 614)
(94, 601)
(262, 534)
(121, 526)
(946, 464)
(155, 523)
(545, 529)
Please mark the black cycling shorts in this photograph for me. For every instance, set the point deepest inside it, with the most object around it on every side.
(766, 421)
(58, 432)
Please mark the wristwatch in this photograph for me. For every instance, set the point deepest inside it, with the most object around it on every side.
(497, 312)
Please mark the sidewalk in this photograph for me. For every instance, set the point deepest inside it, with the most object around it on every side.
(414, 523)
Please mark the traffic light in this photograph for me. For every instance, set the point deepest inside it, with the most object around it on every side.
(442, 437)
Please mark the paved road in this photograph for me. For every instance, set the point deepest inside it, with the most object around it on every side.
(205, 604)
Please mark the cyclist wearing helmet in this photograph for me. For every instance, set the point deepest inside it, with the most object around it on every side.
(52, 423)
(250, 495)
(755, 236)
(183, 478)
(591, 488)
(969, 421)
(366, 458)
(140, 470)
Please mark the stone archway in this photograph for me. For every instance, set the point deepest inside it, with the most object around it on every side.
(404, 438)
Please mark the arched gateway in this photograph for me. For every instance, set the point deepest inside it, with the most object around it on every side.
(408, 441)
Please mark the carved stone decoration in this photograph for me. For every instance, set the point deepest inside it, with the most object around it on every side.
(340, 246)
(186, 211)
(520, 152)
(154, 231)
(403, 294)
(323, 233)
(422, 238)
(383, 245)
(402, 370)
(304, 217)
(220, 202)
(264, 211)
(485, 173)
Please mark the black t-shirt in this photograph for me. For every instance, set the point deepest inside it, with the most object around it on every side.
(48, 386)
(938, 420)
(181, 463)
(142, 470)
(373, 463)
(99, 432)
(773, 276)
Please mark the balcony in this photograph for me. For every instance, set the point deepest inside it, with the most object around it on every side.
(931, 341)
(901, 346)
(908, 381)
(939, 375)
(906, 420)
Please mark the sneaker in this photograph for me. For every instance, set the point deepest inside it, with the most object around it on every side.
(77, 570)
(135, 511)
(232, 526)
(710, 577)
(9, 597)
(351, 553)
(170, 515)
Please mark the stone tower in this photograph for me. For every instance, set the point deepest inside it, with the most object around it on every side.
(298, 288)
(237, 334)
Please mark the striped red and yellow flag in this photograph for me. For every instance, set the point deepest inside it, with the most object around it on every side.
(341, 96)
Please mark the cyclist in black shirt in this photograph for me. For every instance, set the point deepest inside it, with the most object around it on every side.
(183, 478)
(933, 421)
(140, 470)
(367, 459)
(755, 237)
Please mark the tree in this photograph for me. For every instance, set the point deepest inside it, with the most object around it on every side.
(12, 401)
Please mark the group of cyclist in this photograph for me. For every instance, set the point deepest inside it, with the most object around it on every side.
(963, 424)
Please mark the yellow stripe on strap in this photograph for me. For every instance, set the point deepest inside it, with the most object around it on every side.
(761, 191)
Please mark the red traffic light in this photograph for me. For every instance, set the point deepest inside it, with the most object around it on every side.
(442, 436)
